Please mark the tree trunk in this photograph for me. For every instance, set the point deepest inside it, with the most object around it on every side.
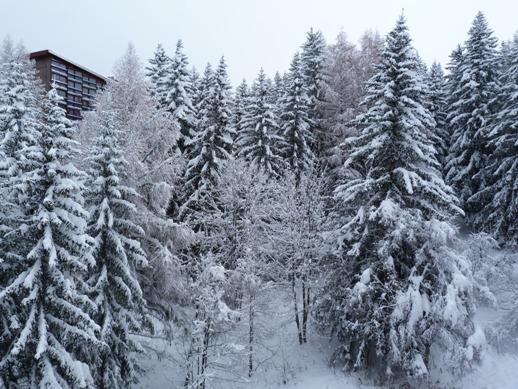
(205, 353)
(251, 314)
(297, 320)
(305, 309)
(189, 368)
(189, 375)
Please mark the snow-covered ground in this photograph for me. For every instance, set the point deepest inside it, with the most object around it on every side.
(282, 363)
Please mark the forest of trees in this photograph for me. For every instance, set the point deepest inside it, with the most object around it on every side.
(350, 180)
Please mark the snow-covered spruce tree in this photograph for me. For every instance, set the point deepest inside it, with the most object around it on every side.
(258, 142)
(453, 80)
(295, 121)
(195, 81)
(179, 195)
(470, 112)
(18, 108)
(147, 138)
(277, 89)
(212, 144)
(157, 72)
(437, 99)
(117, 252)
(500, 195)
(395, 288)
(453, 92)
(239, 104)
(52, 326)
(202, 89)
(505, 57)
(312, 62)
(19, 115)
(178, 100)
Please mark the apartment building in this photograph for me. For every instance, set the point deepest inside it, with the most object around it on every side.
(75, 83)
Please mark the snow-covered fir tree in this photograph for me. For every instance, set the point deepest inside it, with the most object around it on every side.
(453, 91)
(453, 79)
(117, 252)
(470, 112)
(277, 88)
(19, 121)
(213, 141)
(505, 57)
(500, 195)
(437, 99)
(52, 326)
(312, 62)
(239, 104)
(258, 142)
(147, 138)
(178, 99)
(195, 80)
(158, 72)
(394, 288)
(296, 125)
(18, 109)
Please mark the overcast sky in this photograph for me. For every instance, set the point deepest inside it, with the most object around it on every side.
(250, 33)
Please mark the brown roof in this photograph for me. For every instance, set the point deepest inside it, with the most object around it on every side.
(44, 53)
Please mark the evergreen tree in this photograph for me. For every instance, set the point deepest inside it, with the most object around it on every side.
(178, 99)
(258, 141)
(195, 81)
(212, 144)
(52, 326)
(18, 109)
(470, 112)
(312, 59)
(437, 99)
(19, 115)
(295, 121)
(277, 89)
(500, 196)
(453, 90)
(239, 106)
(158, 73)
(394, 288)
(151, 169)
(117, 252)
(505, 57)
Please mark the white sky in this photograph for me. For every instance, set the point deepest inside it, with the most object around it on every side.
(250, 33)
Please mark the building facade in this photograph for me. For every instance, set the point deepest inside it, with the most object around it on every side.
(76, 84)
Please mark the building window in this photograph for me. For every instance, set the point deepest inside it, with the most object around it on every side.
(58, 78)
(75, 85)
(58, 65)
(74, 112)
